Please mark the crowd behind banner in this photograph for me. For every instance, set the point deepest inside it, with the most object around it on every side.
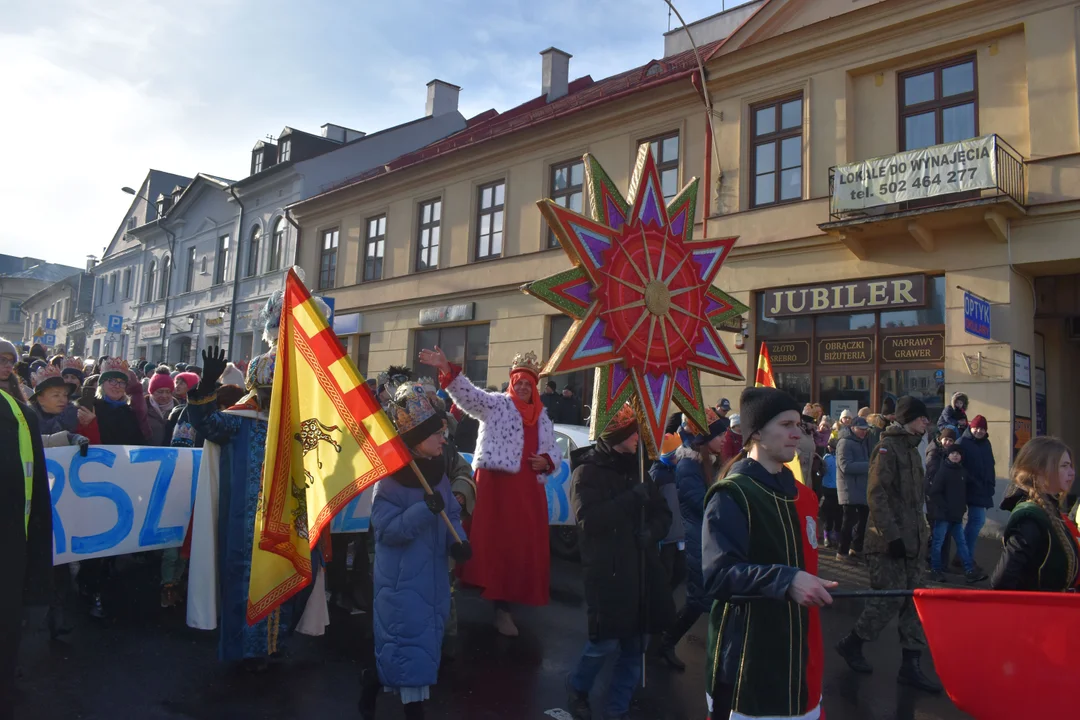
(123, 446)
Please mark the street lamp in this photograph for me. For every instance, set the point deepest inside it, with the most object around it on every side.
(222, 312)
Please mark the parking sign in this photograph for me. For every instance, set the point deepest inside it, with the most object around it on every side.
(116, 323)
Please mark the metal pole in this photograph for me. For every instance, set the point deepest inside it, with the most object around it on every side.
(643, 595)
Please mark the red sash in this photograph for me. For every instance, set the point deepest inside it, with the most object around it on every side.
(806, 504)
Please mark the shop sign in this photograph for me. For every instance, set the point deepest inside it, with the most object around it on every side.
(976, 316)
(1022, 369)
(447, 313)
(788, 353)
(148, 332)
(347, 324)
(916, 175)
(215, 321)
(845, 351)
(1021, 433)
(922, 347)
(876, 294)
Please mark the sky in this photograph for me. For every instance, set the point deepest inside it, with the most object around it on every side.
(97, 92)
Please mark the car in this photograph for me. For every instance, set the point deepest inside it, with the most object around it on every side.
(564, 537)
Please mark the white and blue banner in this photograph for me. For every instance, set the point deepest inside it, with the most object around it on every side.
(119, 500)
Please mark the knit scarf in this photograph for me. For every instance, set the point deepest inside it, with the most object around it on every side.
(529, 411)
(163, 410)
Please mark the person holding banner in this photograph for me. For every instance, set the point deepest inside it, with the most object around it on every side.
(759, 561)
(412, 571)
(25, 524)
(1040, 544)
(515, 449)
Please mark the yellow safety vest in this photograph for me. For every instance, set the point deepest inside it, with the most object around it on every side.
(26, 455)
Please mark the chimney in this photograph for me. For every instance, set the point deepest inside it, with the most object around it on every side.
(556, 77)
(91, 261)
(442, 98)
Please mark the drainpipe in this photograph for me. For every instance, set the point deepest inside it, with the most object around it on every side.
(236, 268)
(168, 290)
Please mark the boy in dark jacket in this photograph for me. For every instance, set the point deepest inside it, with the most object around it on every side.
(946, 505)
(610, 500)
(954, 412)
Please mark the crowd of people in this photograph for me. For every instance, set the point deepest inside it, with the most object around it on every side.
(718, 511)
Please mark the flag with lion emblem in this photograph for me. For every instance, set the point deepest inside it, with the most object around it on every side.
(327, 440)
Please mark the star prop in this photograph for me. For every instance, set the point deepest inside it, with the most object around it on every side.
(641, 294)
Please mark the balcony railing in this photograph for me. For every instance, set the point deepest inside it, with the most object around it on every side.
(983, 169)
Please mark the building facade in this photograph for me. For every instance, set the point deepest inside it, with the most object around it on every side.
(898, 174)
(52, 309)
(20, 279)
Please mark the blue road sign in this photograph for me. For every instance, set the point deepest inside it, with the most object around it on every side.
(976, 316)
(330, 318)
(49, 340)
(116, 323)
(51, 324)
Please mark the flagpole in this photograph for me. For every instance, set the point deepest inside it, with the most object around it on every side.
(427, 489)
(836, 594)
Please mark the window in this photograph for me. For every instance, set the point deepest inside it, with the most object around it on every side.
(14, 312)
(328, 259)
(665, 152)
(114, 280)
(567, 189)
(257, 162)
(465, 345)
(374, 248)
(151, 275)
(99, 292)
(277, 243)
(490, 212)
(253, 251)
(776, 158)
(580, 382)
(285, 151)
(127, 284)
(938, 104)
(363, 350)
(221, 261)
(427, 236)
(189, 270)
(131, 222)
(166, 273)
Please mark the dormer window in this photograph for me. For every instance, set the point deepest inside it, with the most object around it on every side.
(162, 205)
(285, 151)
(257, 164)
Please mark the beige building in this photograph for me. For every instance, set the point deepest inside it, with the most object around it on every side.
(902, 175)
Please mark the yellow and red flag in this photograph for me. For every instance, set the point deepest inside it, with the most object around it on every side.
(328, 439)
(765, 378)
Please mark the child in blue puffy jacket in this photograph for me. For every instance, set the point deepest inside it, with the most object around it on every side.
(412, 571)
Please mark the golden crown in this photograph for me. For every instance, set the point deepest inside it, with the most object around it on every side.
(115, 364)
(73, 363)
(526, 361)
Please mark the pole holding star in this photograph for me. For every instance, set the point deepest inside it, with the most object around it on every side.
(641, 294)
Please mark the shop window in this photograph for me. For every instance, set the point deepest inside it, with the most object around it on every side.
(845, 323)
(363, 350)
(926, 384)
(932, 314)
(770, 327)
(665, 152)
(939, 104)
(466, 346)
(567, 189)
(796, 384)
(776, 132)
(580, 382)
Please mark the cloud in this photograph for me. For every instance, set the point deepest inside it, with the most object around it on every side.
(98, 92)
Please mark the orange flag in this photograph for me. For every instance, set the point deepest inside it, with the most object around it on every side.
(327, 441)
(764, 378)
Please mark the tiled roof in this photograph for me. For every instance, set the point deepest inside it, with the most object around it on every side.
(582, 93)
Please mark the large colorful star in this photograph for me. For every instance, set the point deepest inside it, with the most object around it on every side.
(641, 294)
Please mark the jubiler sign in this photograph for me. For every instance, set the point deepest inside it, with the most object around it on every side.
(876, 294)
(916, 175)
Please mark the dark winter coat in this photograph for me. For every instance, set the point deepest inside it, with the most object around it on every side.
(852, 468)
(935, 453)
(118, 424)
(160, 428)
(726, 563)
(896, 494)
(411, 575)
(979, 462)
(948, 493)
(609, 515)
(951, 415)
(67, 420)
(1032, 557)
(664, 476)
(692, 484)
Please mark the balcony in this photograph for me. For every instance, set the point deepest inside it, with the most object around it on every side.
(921, 192)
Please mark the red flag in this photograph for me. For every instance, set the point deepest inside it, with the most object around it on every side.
(764, 376)
(1004, 655)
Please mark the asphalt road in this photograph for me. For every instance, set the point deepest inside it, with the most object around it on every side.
(143, 663)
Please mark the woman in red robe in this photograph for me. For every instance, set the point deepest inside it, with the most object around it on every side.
(515, 450)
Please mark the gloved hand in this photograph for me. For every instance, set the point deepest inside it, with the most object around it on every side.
(81, 440)
(435, 503)
(461, 551)
(214, 363)
(897, 549)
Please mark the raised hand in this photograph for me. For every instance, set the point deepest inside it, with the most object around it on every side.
(435, 358)
(213, 366)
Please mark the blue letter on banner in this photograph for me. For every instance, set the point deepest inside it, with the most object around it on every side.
(150, 533)
(125, 513)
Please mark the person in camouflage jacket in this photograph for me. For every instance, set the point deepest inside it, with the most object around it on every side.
(896, 538)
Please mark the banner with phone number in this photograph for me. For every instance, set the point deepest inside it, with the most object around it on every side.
(119, 500)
